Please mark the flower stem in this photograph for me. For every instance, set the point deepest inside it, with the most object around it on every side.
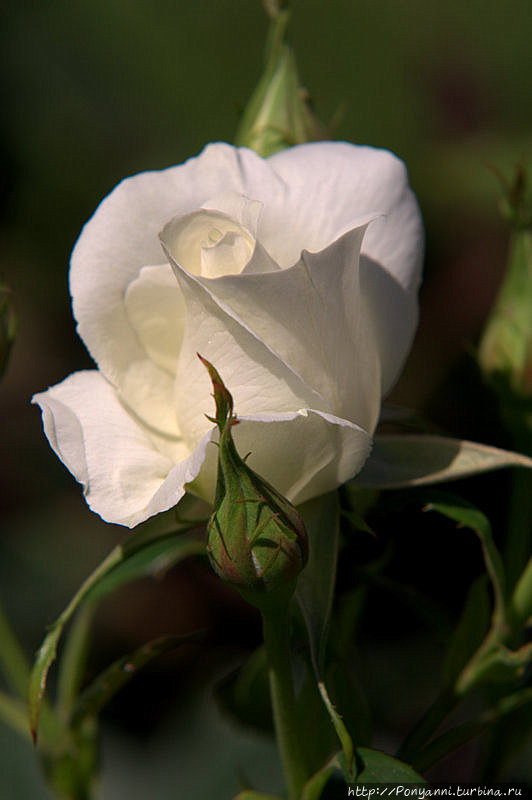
(277, 642)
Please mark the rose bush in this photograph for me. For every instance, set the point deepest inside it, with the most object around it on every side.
(296, 276)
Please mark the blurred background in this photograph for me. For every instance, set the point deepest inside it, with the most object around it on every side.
(95, 91)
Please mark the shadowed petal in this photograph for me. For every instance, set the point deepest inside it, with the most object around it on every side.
(303, 454)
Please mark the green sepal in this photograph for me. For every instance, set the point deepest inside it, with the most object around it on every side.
(256, 540)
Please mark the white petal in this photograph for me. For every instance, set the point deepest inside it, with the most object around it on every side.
(209, 243)
(332, 183)
(393, 313)
(122, 237)
(126, 477)
(63, 430)
(156, 310)
(256, 377)
(238, 207)
(354, 180)
(312, 317)
(311, 194)
(147, 390)
(302, 454)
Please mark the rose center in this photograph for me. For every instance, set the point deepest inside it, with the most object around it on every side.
(209, 243)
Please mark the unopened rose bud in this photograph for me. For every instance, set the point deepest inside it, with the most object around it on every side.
(505, 352)
(256, 539)
(278, 114)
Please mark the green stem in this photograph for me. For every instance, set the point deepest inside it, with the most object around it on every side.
(277, 641)
(12, 658)
(427, 725)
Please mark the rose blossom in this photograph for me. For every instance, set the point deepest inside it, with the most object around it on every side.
(296, 276)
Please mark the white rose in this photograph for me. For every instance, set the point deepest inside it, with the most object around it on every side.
(296, 276)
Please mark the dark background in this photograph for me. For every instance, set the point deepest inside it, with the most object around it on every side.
(94, 91)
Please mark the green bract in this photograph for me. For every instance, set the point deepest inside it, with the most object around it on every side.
(256, 539)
